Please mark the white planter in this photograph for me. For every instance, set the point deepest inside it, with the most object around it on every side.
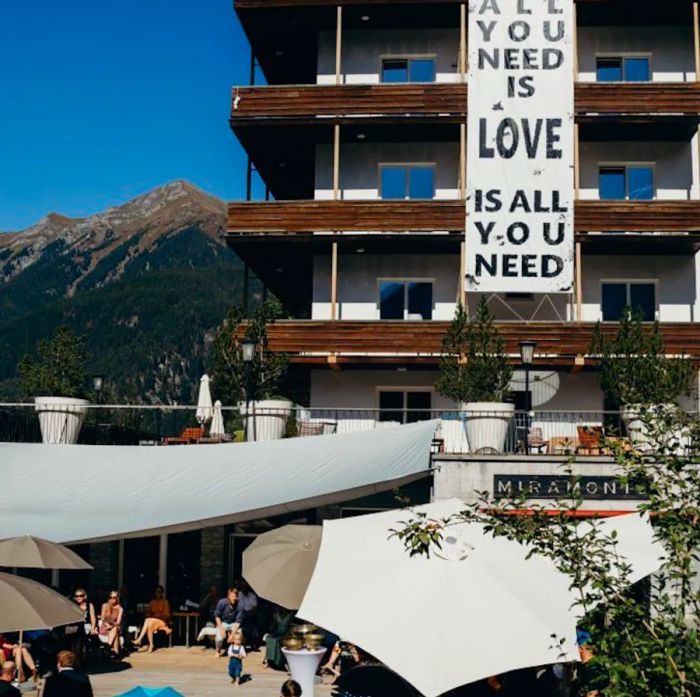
(486, 426)
(638, 418)
(60, 418)
(267, 419)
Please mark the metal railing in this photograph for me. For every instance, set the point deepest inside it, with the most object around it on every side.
(520, 433)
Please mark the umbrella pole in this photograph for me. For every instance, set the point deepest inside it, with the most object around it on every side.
(19, 656)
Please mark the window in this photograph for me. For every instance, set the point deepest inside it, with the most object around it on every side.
(404, 406)
(408, 70)
(407, 181)
(631, 182)
(623, 69)
(639, 296)
(405, 300)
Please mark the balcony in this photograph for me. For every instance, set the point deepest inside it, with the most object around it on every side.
(312, 216)
(351, 342)
(552, 433)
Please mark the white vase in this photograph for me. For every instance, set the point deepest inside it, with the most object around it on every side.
(60, 418)
(639, 421)
(487, 425)
(267, 419)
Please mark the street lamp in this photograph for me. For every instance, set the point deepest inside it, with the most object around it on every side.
(97, 385)
(248, 349)
(527, 354)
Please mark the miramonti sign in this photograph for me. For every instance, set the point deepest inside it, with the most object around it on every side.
(547, 486)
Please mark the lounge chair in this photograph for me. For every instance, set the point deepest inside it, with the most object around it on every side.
(189, 436)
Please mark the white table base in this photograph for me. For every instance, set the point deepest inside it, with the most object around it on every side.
(302, 665)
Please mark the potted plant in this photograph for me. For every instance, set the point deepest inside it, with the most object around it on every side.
(636, 373)
(475, 373)
(55, 377)
(252, 384)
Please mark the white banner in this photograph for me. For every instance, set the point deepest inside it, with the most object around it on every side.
(520, 146)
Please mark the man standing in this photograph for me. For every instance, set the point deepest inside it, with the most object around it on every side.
(248, 601)
(7, 675)
(228, 617)
(67, 682)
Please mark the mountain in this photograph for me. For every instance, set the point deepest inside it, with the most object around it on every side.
(146, 282)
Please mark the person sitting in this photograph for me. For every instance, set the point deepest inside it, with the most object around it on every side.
(7, 676)
(279, 627)
(158, 617)
(67, 681)
(110, 623)
(228, 617)
(19, 655)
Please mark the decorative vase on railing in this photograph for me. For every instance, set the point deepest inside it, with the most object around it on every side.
(486, 426)
(266, 420)
(60, 418)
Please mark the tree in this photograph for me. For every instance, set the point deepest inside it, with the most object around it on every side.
(634, 367)
(58, 369)
(474, 366)
(228, 367)
(649, 648)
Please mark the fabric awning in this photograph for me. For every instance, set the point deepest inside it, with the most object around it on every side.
(79, 493)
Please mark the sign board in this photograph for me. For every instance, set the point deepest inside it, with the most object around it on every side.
(520, 146)
(552, 487)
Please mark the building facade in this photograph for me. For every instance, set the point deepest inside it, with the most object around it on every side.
(359, 139)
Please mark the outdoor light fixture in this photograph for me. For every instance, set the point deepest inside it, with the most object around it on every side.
(248, 350)
(98, 382)
(360, 250)
(361, 136)
(527, 351)
(365, 18)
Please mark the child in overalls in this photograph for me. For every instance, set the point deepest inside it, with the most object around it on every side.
(236, 654)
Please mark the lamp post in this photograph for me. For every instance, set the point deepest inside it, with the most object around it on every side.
(527, 353)
(248, 350)
(97, 385)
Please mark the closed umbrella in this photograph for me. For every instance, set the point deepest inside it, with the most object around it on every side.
(217, 421)
(27, 552)
(204, 406)
(279, 564)
(26, 604)
(478, 608)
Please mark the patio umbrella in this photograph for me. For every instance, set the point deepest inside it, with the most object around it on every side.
(152, 692)
(278, 565)
(27, 552)
(26, 604)
(204, 407)
(478, 608)
(217, 421)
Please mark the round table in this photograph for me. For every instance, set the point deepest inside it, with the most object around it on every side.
(302, 665)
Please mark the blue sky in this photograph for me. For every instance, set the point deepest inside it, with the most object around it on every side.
(101, 100)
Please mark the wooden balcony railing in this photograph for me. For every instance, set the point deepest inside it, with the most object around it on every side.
(395, 341)
(443, 101)
(295, 217)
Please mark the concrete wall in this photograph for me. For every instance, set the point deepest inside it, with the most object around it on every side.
(359, 167)
(671, 49)
(673, 162)
(363, 52)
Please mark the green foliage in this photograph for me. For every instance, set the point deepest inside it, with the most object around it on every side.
(58, 369)
(643, 643)
(634, 367)
(228, 368)
(474, 366)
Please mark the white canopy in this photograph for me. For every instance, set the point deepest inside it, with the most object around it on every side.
(72, 493)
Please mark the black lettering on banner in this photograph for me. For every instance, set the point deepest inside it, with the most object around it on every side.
(552, 7)
(493, 196)
(483, 265)
(520, 202)
(522, 87)
(529, 266)
(518, 238)
(487, 29)
(507, 127)
(510, 262)
(547, 233)
(519, 31)
(484, 232)
(552, 266)
(550, 35)
(522, 10)
(489, 5)
(552, 58)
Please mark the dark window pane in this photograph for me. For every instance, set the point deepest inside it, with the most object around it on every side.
(391, 300)
(637, 70)
(422, 70)
(612, 183)
(643, 300)
(608, 69)
(640, 182)
(394, 182)
(420, 300)
(417, 406)
(391, 407)
(421, 183)
(614, 301)
(395, 71)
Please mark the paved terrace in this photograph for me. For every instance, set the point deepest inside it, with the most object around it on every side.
(195, 672)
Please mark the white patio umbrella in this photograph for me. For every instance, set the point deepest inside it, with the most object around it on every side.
(27, 552)
(204, 406)
(216, 427)
(279, 564)
(480, 608)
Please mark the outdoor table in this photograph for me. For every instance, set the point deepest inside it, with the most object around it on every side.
(179, 616)
(302, 666)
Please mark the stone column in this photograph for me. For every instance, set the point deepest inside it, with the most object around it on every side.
(212, 556)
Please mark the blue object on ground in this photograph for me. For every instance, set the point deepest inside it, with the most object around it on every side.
(151, 692)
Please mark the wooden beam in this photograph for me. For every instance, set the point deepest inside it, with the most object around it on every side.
(462, 61)
(462, 174)
(461, 299)
(336, 162)
(332, 361)
(338, 43)
(334, 281)
(579, 284)
(579, 363)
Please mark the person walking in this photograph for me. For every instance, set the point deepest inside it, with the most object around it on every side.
(67, 681)
(7, 676)
(236, 654)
